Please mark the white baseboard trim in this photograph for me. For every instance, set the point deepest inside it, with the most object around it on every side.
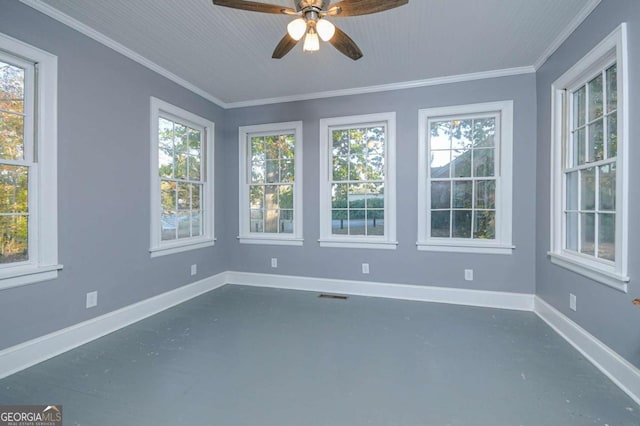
(489, 299)
(624, 374)
(27, 354)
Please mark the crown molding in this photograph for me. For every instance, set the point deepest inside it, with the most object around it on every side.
(387, 87)
(564, 35)
(103, 39)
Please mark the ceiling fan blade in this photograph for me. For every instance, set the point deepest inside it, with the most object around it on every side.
(286, 44)
(363, 7)
(345, 45)
(254, 6)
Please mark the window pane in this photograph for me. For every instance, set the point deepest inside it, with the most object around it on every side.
(194, 167)
(184, 196)
(11, 136)
(595, 98)
(271, 219)
(168, 225)
(168, 195)
(196, 196)
(256, 196)
(612, 135)
(194, 142)
(257, 217)
(258, 171)
(180, 166)
(572, 231)
(287, 171)
(441, 195)
(357, 195)
(339, 193)
(588, 232)
(440, 164)
(165, 148)
(180, 141)
(196, 223)
(271, 149)
(357, 222)
(462, 224)
(484, 131)
(441, 224)
(273, 171)
(14, 189)
(375, 222)
(286, 197)
(340, 168)
(11, 88)
(607, 237)
(484, 162)
(463, 195)
(484, 226)
(14, 238)
(439, 136)
(287, 147)
(257, 149)
(572, 191)
(579, 107)
(607, 187)
(271, 197)
(485, 194)
(340, 140)
(339, 221)
(184, 224)
(596, 141)
(612, 88)
(461, 132)
(588, 189)
(579, 147)
(461, 163)
(286, 221)
(375, 198)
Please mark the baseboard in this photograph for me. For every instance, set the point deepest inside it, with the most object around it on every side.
(489, 299)
(624, 374)
(24, 355)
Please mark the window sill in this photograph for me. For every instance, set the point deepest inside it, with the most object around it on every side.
(269, 240)
(359, 243)
(461, 247)
(181, 247)
(23, 275)
(603, 276)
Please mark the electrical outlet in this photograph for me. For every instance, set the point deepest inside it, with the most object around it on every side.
(92, 299)
(274, 262)
(468, 274)
(572, 302)
(365, 268)
(194, 269)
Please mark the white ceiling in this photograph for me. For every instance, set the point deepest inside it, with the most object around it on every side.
(226, 53)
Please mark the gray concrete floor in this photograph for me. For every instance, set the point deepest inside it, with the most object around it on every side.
(250, 356)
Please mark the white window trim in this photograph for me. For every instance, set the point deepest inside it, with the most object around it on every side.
(159, 247)
(245, 235)
(613, 47)
(504, 184)
(327, 239)
(43, 185)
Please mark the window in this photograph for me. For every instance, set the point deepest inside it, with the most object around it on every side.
(465, 168)
(271, 184)
(28, 175)
(357, 174)
(182, 180)
(589, 165)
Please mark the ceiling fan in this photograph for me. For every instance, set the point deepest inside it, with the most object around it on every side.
(311, 22)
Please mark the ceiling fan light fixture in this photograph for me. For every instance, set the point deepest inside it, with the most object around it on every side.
(311, 41)
(297, 28)
(325, 29)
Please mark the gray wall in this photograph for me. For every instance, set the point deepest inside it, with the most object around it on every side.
(514, 273)
(103, 181)
(606, 313)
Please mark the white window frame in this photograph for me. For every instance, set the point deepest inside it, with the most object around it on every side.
(160, 108)
(43, 172)
(245, 234)
(327, 239)
(502, 244)
(612, 49)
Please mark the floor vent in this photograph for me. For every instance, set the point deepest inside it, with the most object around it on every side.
(333, 296)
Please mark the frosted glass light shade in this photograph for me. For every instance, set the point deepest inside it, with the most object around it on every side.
(311, 42)
(326, 29)
(297, 28)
